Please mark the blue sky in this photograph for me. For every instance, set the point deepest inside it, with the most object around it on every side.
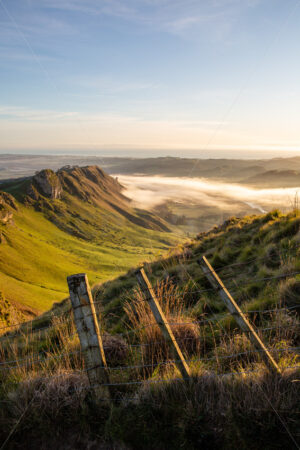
(150, 76)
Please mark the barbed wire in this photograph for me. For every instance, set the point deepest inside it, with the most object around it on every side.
(263, 258)
(174, 323)
(182, 379)
(179, 294)
(177, 323)
(44, 358)
(203, 336)
(221, 269)
(213, 358)
(29, 323)
(264, 311)
(169, 380)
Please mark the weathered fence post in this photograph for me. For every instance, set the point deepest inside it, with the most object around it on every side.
(89, 334)
(162, 323)
(237, 313)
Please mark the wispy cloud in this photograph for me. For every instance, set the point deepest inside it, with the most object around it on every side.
(24, 114)
(33, 24)
(39, 115)
(25, 31)
(108, 85)
(176, 17)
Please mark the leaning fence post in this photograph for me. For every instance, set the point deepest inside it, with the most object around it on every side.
(237, 313)
(162, 323)
(89, 334)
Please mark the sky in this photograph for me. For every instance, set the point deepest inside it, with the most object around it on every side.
(150, 77)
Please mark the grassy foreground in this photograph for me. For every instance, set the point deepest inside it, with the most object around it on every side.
(230, 402)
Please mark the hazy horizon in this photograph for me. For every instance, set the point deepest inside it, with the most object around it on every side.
(140, 154)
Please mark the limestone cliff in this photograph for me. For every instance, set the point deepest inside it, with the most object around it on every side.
(7, 204)
(46, 183)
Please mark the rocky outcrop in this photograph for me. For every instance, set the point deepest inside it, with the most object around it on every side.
(5, 216)
(8, 200)
(91, 184)
(7, 204)
(45, 183)
(56, 194)
(9, 314)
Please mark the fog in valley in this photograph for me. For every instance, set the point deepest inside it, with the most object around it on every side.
(203, 202)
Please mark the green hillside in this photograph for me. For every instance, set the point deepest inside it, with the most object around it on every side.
(80, 222)
(261, 249)
(231, 401)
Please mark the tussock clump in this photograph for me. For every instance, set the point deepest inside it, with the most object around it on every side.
(53, 412)
(289, 291)
(218, 261)
(272, 215)
(43, 400)
(186, 331)
(234, 352)
(212, 412)
(247, 253)
(283, 327)
(115, 348)
(289, 229)
(177, 274)
(272, 260)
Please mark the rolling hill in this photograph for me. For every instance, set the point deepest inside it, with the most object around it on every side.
(76, 219)
(230, 401)
(275, 178)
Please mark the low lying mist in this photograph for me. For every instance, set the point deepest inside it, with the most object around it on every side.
(148, 192)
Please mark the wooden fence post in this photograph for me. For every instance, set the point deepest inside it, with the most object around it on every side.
(89, 334)
(162, 323)
(237, 313)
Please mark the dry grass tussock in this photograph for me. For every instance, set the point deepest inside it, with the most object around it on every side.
(51, 352)
(290, 292)
(208, 411)
(141, 319)
(57, 412)
(45, 352)
(215, 393)
(256, 411)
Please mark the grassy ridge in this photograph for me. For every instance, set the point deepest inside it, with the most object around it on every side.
(49, 239)
(214, 410)
(36, 257)
(270, 242)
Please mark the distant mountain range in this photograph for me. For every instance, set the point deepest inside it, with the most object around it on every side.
(231, 170)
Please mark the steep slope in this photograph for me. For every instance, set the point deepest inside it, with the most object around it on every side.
(256, 249)
(258, 258)
(76, 219)
(230, 401)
